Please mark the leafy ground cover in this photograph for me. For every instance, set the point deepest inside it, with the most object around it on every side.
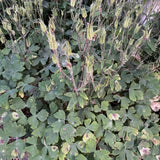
(79, 80)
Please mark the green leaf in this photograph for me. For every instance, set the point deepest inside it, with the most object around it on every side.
(132, 95)
(58, 125)
(87, 122)
(88, 135)
(110, 138)
(73, 150)
(50, 96)
(152, 44)
(73, 119)
(14, 130)
(31, 140)
(13, 66)
(139, 95)
(80, 131)
(125, 102)
(81, 102)
(32, 150)
(34, 48)
(4, 89)
(28, 79)
(80, 157)
(134, 85)
(130, 155)
(118, 87)
(42, 115)
(72, 103)
(53, 152)
(121, 155)
(93, 126)
(67, 133)
(101, 155)
(65, 148)
(38, 132)
(147, 134)
(60, 115)
(5, 51)
(104, 105)
(51, 137)
(17, 103)
(4, 98)
(33, 122)
(90, 146)
(97, 108)
(83, 95)
(143, 110)
(53, 107)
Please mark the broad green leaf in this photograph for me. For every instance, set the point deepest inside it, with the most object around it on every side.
(51, 137)
(29, 79)
(58, 125)
(104, 105)
(97, 108)
(131, 156)
(132, 95)
(152, 44)
(147, 134)
(34, 48)
(31, 140)
(15, 147)
(127, 76)
(118, 145)
(13, 66)
(4, 98)
(72, 103)
(125, 102)
(81, 102)
(80, 157)
(38, 132)
(53, 107)
(50, 96)
(53, 152)
(5, 51)
(67, 133)
(87, 122)
(83, 95)
(88, 135)
(74, 119)
(14, 130)
(70, 94)
(143, 110)
(121, 156)
(32, 105)
(60, 115)
(33, 122)
(102, 155)
(90, 146)
(42, 115)
(89, 115)
(17, 103)
(109, 138)
(139, 95)
(134, 85)
(65, 148)
(93, 126)
(73, 150)
(80, 131)
(118, 87)
(4, 89)
(32, 150)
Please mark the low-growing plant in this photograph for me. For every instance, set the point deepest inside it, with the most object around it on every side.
(75, 87)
